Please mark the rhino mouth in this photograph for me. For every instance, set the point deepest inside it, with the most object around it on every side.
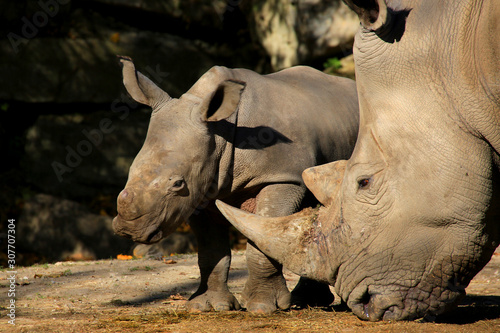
(137, 230)
(374, 306)
(392, 303)
(155, 236)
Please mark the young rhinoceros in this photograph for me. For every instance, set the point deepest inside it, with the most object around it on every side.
(243, 138)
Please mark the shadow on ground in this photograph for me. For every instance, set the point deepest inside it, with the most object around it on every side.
(473, 308)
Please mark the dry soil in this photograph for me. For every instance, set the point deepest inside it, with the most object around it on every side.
(148, 295)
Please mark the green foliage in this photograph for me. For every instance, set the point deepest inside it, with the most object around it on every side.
(137, 268)
(333, 63)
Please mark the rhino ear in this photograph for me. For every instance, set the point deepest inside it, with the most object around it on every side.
(324, 181)
(373, 14)
(223, 101)
(140, 88)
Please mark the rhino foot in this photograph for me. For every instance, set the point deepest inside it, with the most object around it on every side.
(311, 293)
(266, 297)
(213, 300)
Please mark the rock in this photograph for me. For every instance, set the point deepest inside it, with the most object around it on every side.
(58, 229)
(300, 31)
(63, 71)
(274, 28)
(207, 13)
(71, 56)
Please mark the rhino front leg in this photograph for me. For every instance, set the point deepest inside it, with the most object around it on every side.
(214, 259)
(266, 289)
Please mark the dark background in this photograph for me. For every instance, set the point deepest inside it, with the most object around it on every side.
(68, 131)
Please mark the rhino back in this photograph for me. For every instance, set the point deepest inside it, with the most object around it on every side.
(291, 120)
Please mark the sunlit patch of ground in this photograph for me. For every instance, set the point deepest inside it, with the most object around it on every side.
(150, 295)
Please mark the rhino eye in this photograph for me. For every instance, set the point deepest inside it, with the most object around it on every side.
(178, 183)
(363, 183)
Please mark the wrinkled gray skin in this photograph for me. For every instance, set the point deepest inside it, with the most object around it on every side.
(243, 138)
(412, 216)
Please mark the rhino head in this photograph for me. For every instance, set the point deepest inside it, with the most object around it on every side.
(412, 216)
(178, 163)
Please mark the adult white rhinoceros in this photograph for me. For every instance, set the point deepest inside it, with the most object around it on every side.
(412, 216)
(242, 137)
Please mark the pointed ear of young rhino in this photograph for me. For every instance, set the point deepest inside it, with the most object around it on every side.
(373, 14)
(139, 87)
(223, 101)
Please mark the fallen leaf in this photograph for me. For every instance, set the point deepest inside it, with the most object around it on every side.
(177, 297)
(169, 261)
(115, 38)
(23, 283)
(123, 257)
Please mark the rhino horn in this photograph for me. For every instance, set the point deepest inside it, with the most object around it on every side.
(291, 240)
(373, 14)
(140, 88)
(324, 180)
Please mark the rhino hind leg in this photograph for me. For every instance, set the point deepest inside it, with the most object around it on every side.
(214, 259)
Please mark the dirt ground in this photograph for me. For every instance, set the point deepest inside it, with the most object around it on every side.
(147, 295)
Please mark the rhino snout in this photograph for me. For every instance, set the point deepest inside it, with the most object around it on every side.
(125, 198)
(126, 206)
(137, 230)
